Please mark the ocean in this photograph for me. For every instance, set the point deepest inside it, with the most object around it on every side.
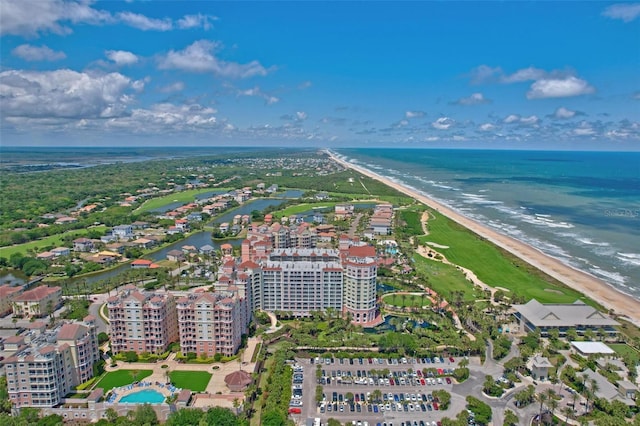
(582, 208)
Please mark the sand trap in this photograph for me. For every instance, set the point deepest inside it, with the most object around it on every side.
(436, 245)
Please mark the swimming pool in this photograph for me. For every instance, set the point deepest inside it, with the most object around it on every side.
(148, 396)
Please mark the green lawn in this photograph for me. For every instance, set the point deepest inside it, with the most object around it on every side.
(407, 300)
(53, 241)
(445, 279)
(494, 266)
(115, 379)
(183, 197)
(195, 381)
(623, 349)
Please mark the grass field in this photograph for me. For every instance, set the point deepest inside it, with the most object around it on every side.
(408, 300)
(445, 279)
(494, 266)
(183, 197)
(196, 381)
(623, 349)
(53, 240)
(115, 379)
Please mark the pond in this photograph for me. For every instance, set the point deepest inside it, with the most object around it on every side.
(13, 278)
(291, 193)
(387, 326)
(259, 204)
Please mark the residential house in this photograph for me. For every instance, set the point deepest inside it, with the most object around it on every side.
(175, 256)
(83, 245)
(61, 251)
(123, 232)
(141, 264)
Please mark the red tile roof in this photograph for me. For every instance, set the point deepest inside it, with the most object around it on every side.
(71, 331)
(36, 294)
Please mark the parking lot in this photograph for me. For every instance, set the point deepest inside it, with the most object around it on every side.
(391, 392)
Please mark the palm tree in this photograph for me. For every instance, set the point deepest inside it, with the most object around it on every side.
(568, 413)
(541, 398)
(594, 388)
(553, 405)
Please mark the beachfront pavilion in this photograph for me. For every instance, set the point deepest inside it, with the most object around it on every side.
(535, 316)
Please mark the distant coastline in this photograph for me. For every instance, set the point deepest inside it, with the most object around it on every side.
(591, 286)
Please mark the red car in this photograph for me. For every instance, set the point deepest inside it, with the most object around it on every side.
(422, 382)
(448, 380)
(451, 359)
(435, 406)
(295, 410)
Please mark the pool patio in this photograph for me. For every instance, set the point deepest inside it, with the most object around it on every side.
(116, 394)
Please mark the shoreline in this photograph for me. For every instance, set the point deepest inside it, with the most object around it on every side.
(592, 287)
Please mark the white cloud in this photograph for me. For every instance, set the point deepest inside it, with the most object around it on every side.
(414, 114)
(626, 12)
(473, 99)
(30, 17)
(301, 116)
(257, 92)
(485, 73)
(145, 23)
(173, 87)
(512, 118)
(525, 74)
(530, 121)
(199, 57)
(37, 53)
(305, 85)
(196, 21)
(64, 94)
(559, 88)
(487, 127)
(584, 129)
(121, 57)
(563, 113)
(443, 123)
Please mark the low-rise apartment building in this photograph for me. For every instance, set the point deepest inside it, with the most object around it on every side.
(37, 302)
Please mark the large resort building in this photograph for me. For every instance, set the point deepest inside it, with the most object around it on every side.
(360, 271)
(578, 316)
(301, 281)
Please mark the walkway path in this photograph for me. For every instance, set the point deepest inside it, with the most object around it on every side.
(274, 323)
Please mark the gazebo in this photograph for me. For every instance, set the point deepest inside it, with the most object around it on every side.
(238, 381)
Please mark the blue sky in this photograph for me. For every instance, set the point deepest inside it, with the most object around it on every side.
(549, 75)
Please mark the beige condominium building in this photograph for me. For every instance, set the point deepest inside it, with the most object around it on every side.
(142, 322)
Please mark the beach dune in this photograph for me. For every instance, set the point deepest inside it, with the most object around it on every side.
(592, 287)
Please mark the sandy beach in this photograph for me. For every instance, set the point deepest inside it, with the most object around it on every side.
(587, 284)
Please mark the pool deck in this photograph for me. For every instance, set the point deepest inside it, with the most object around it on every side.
(129, 389)
(216, 394)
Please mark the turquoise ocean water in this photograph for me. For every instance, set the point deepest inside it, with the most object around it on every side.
(582, 208)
